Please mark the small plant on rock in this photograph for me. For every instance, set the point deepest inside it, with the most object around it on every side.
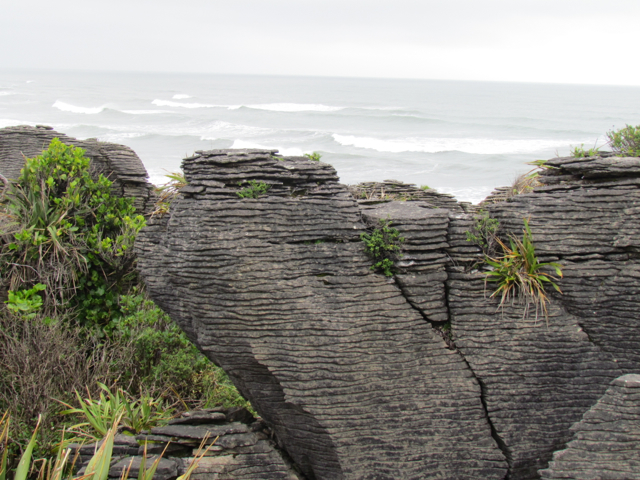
(253, 190)
(315, 156)
(581, 152)
(520, 276)
(483, 232)
(625, 141)
(168, 192)
(383, 245)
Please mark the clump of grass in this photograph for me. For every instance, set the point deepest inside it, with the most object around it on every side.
(253, 190)
(168, 192)
(520, 276)
(383, 245)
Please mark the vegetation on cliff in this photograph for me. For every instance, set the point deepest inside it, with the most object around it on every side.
(76, 316)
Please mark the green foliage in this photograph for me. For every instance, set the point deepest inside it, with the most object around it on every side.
(383, 246)
(425, 187)
(315, 156)
(62, 465)
(581, 152)
(26, 302)
(519, 275)
(483, 232)
(136, 415)
(253, 190)
(165, 362)
(625, 141)
(69, 233)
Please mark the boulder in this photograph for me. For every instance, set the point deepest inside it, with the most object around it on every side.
(119, 163)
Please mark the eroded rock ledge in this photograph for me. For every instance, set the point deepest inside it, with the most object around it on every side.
(358, 374)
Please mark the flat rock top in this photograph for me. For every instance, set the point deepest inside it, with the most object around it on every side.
(631, 380)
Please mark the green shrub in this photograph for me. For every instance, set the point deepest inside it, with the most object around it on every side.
(625, 141)
(65, 229)
(254, 190)
(519, 275)
(25, 302)
(315, 156)
(383, 246)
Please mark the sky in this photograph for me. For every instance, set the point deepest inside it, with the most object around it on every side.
(552, 41)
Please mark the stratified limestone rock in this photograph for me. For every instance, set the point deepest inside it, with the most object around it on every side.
(119, 163)
(540, 376)
(422, 273)
(588, 218)
(606, 442)
(278, 291)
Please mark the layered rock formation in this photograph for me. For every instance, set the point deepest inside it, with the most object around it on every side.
(421, 375)
(236, 446)
(119, 163)
(606, 442)
(278, 291)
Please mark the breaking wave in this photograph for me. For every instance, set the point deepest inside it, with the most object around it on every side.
(481, 146)
(67, 107)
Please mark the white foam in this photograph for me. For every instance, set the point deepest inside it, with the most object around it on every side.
(67, 107)
(29, 81)
(169, 103)
(5, 93)
(483, 146)
(295, 107)
(145, 112)
(180, 96)
(287, 151)
(118, 137)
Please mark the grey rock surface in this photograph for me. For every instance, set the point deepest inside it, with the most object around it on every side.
(606, 442)
(416, 376)
(277, 290)
(119, 163)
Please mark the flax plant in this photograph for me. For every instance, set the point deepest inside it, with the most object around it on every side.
(520, 276)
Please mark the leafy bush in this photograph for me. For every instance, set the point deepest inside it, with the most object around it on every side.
(520, 275)
(625, 141)
(315, 156)
(383, 245)
(254, 190)
(64, 229)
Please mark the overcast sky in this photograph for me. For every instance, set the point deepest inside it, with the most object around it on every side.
(565, 41)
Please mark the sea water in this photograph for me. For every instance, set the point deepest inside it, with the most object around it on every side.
(464, 138)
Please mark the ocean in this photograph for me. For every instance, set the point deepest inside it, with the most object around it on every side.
(463, 138)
